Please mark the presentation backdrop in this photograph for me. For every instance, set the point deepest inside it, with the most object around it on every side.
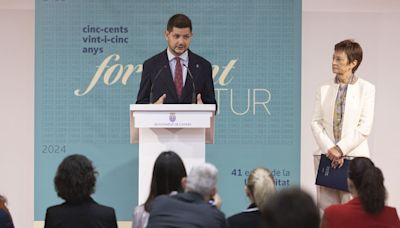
(89, 57)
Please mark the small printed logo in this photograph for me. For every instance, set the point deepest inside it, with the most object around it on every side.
(326, 171)
(172, 117)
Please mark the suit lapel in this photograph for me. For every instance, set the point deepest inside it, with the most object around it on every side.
(330, 102)
(193, 65)
(351, 107)
(187, 89)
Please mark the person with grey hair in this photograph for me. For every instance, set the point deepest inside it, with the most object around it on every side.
(203, 180)
(191, 208)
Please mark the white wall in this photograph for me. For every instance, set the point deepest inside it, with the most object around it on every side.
(371, 22)
(17, 102)
(374, 25)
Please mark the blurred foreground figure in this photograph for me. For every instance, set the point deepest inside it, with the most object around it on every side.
(75, 181)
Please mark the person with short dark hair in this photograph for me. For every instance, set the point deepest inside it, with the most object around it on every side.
(193, 207)
(5, 215)
(343, 116)
(168, 172)
(291, 208)
(260, 186)
(74, 182)
(367, 208)
(177, 75)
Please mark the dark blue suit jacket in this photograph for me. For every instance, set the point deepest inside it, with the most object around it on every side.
(163, 84)
(249, 218)
(86, 214)
(5, 219)
(184, 210)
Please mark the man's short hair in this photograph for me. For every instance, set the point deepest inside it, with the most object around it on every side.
(179, 21)
(202, 179)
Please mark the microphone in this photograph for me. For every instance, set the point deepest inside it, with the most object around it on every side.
(155, 79)
(194, 88)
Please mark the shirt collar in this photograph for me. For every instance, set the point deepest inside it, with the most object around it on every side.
(183, 57)
(252, 207)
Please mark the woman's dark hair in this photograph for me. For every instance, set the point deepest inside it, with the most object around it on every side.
(179, 21)
(75, 179)
(353, 51)
(368, 181)
(168, 172)
(290, 207)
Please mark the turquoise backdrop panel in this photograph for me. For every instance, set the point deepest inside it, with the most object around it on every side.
(89, 57)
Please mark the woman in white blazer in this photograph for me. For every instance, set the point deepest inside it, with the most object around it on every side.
(343, 116)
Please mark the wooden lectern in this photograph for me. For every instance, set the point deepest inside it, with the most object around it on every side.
(182, 128)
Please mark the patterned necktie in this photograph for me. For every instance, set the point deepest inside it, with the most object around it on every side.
(178, 77)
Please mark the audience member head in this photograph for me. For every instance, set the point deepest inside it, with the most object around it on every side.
(168, 172)
(179, 21)
(202, 179)
(365, 180)
(352, 50)
(3, 203)
(260, 186)
(75, 179)
(290, 208)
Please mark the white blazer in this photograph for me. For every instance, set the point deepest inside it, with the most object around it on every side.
(357, 120)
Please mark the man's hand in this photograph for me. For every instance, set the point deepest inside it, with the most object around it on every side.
(161, 99)
(217, 201)
(199, 100)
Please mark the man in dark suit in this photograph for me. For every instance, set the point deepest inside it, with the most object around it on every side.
(191, 208)
(177, 75)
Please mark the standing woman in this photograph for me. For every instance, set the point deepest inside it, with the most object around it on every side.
(343, 116)
(168, 172)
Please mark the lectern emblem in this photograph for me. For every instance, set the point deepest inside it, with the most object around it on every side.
(172, 117)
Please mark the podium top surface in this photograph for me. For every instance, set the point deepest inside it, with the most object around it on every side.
(173, 107)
